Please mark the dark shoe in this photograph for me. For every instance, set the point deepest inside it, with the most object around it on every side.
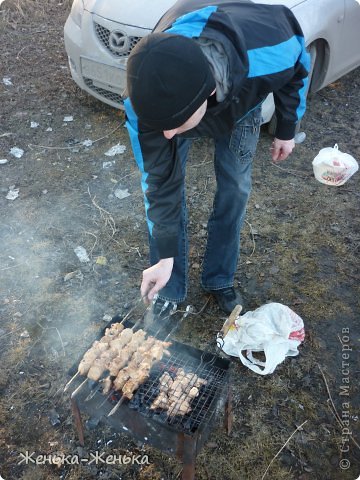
(227, 298)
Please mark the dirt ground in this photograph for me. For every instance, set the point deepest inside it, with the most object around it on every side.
(300, 247)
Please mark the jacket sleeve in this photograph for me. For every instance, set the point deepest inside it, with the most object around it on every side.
(161, 181)
(290, 100)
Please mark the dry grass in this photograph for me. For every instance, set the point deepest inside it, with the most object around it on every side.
(33, 472)
(13, 12)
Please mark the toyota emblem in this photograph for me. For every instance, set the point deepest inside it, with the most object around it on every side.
(118, 42)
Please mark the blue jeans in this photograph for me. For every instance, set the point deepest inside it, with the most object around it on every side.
(233, 164)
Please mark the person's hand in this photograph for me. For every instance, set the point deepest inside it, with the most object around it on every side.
(281, 149)
(155, 278)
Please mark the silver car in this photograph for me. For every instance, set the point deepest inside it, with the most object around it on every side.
(100, 34)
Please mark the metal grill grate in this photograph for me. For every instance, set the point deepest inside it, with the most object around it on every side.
(113, 97)
(103, 34)
(181, 435)
(202, 407)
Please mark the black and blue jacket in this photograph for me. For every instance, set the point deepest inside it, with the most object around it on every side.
(266, 52)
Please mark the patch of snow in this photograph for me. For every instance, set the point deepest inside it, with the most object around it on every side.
(108, 164)
(13, 193)
(16, 152)
(6, 80)
(82, 254)
(115, 150)
(120, 194)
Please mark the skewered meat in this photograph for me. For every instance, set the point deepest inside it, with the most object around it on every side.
(106, 361)
(107, 383)
(137, 371)
(149, 357)
(122, 358)
(114, 337)
(120, 348)
(99, 365)
(120, 361)
(149, 342)
(136, 379)
(157, 351)
(136, 339)
(139, 337)
(95, 351)
(132, 371)
(119, 342)
(99, 347)
(121, 378)
(112, 332)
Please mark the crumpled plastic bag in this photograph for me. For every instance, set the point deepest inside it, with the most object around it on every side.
(273, 328)
(333, 167)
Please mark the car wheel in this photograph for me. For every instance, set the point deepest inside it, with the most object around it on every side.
(313, 53)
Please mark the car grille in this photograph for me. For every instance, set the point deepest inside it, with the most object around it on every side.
(113, 97)
(103, 35)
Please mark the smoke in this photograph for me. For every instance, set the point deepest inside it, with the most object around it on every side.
(62, 316)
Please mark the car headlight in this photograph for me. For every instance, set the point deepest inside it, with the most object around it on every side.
(77, 11)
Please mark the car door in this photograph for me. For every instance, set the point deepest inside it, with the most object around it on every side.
(351, 35)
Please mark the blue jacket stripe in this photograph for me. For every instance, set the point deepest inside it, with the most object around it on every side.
(192, 24)
(132, 127)
(274, 59)
(305, 61)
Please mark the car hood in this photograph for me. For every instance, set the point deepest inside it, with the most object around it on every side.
(139, 13)
(287, 3)
(144, 13)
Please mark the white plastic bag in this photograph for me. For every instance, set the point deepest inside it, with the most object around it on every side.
(333, 167)
(273, 328)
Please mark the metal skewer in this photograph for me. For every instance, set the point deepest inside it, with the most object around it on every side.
(122, 321)
(77, 390)
(132, 309)
(94, 391)
(122, 399)
(70, 381)
(117, 406)
(112, 391)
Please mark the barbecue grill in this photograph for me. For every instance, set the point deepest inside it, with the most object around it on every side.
(181, 435)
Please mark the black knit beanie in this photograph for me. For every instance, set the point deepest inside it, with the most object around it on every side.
(168, 79)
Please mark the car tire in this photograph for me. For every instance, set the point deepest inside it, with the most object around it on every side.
(313, 54)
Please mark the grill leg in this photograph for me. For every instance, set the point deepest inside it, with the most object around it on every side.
(228, 419)
(186, 453)
(78, 421)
